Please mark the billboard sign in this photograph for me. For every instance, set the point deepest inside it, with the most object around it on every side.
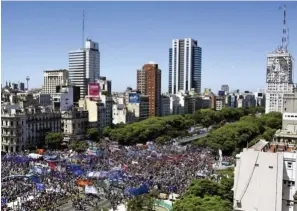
(94, 89)
(134, 98)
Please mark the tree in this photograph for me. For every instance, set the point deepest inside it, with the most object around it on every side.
(54, 140)
(233, 137)
(141, 202)
(79, 146)
(93, 134)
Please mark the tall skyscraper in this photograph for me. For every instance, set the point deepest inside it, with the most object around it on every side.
(151, 86)
(184, 66)
(52, 79)
(279, 79)
(84, 66)
(279, 75)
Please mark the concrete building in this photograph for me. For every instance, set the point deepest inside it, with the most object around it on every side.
(279, 79)
(258, 181)
(105, 85)
(52, 79)
(184, 66)
(92, 106)
(27, 128)
(165, 105)
(74, 124)
(105, 110)
(153, 87)
(220, 103)
(137, 105)
(13, 129)
(290, 102)
(141, 81)
(84, 66)
(120, 114)
(65, 98)
(225, 88)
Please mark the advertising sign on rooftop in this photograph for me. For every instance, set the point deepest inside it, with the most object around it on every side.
(133, 98)
(94, 90)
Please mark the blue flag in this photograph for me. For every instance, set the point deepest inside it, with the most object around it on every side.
(3, 201)
(40, 187)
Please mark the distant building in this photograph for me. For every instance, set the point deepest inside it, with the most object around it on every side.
(27, 128)
(84, 66)
(165, 105)
(141, 81)
(152, 76)
(279, 80)
(225, 88)
(52, 79)
(65, 98)
(74, 124)
(105, 85)
(185, 58)
(290, 102)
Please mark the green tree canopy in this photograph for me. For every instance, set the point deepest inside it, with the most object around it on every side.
(93, 134)
(79, 146)
(54, 140)
(235, 136)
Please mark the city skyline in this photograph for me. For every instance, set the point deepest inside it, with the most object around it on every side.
(127, 40)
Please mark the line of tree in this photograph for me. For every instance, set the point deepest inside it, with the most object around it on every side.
(208, 195)
(233, 137)
(166, 128)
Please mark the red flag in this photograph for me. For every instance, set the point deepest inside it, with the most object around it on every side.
(124, 167)
(52, 165)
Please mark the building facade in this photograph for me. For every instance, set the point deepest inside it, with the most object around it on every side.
(27, 128)
(185, 58)
(141, 81)
(74, 123)
(153, 88)
(84, 66)
(279, 80)
(225, 88)
(52, 79)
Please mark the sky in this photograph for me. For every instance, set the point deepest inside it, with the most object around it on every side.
(235, 38)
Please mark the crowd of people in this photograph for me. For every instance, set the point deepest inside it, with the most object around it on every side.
(168, 168)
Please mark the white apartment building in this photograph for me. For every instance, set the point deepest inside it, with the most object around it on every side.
(185, 58)
(52, 79)
(279, 79)
(119, 114)
(84, 66)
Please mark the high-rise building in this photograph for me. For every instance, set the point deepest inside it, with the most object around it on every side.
(151, 87)
(225, 88)
(279, 79)
(84, 66)
(141, 81)
(52, 79)
(184, 66)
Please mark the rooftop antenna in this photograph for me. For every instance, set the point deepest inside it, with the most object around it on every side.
(83, 29)
(284, 45)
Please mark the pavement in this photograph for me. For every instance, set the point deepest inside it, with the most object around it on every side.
(192, 138)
